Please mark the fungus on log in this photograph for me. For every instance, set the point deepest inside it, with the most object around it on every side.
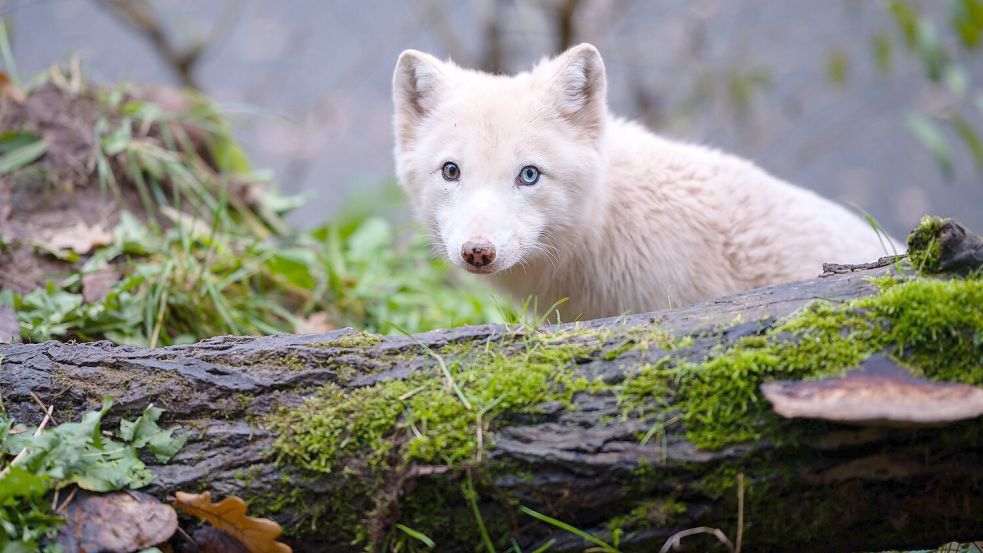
(631, 429)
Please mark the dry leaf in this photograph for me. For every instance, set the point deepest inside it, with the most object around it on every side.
(315, 323)
(118, 522)
(80, 238)
(257, 534)
(96, 285)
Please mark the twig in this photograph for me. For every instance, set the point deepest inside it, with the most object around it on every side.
(830, 269)
(23, 452)
(68, 500)
(42, 406)
(673, 541)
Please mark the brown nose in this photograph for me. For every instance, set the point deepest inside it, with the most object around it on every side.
(478, 253)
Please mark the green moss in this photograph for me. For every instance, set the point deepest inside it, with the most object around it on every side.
(358, 339)
(935, 326)
(424, 414)
(924, 251)
(372, 434)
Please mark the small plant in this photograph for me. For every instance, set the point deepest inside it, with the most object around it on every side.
(37, 463)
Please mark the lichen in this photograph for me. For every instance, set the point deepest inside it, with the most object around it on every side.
(924, 251)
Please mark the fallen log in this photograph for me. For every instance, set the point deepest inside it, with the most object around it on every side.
(630, 429)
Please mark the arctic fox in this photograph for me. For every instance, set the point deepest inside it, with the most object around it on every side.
(530, 181)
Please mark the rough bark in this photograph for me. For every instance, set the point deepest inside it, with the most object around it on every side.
(844, 488)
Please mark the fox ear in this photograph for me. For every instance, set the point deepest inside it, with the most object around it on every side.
(417, 84)
(579, 86)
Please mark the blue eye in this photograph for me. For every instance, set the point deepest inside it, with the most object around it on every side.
(528, 176)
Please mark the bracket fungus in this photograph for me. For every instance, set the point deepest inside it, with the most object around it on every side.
(880, 392)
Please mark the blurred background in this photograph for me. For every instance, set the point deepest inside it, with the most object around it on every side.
(870, 102)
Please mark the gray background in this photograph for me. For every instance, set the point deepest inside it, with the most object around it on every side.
(309, 82)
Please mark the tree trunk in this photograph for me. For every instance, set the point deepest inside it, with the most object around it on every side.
(832, 488)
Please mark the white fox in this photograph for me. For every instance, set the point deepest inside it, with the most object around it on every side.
(530, 181)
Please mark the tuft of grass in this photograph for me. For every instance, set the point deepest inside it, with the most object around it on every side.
(924, 251)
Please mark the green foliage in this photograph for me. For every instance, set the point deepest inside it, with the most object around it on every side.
(34, 463)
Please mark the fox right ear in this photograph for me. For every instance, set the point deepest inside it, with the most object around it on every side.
(417, 84)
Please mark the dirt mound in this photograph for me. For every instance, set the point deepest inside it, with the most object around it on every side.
(98, 151)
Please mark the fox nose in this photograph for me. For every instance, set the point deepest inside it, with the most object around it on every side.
(478, 252)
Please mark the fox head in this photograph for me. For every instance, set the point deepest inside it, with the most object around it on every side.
(504, 170)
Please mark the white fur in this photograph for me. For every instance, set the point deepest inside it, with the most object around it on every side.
(621, 220)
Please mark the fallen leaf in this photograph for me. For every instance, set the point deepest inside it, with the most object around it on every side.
(118, 522)
(315, 323)
(80, 238)
(9, 327)
(879, 393)
(257, 534)
(96, 285)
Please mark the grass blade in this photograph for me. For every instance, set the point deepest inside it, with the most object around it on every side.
(604, 546)
(419, 536)
(22, 156)
(472, 497)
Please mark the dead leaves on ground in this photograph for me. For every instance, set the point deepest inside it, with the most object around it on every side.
(118, 522)
(259, 535)
(127, 521)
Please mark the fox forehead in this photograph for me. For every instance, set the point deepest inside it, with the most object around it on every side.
(490, 119)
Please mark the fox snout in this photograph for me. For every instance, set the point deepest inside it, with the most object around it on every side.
(478, 252)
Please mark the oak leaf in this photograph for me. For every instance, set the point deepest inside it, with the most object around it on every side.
(259, 535)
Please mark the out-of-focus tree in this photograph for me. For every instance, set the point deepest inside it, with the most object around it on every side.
(943, 40)
(182, 59)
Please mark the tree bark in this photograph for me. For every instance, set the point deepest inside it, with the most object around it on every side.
(844, 488)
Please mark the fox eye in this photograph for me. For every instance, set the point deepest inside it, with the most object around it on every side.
(451, 171)
(528, 176)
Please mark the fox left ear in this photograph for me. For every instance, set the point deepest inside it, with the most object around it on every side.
(579, 86)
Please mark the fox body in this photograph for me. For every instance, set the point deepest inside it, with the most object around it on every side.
(531, 182)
